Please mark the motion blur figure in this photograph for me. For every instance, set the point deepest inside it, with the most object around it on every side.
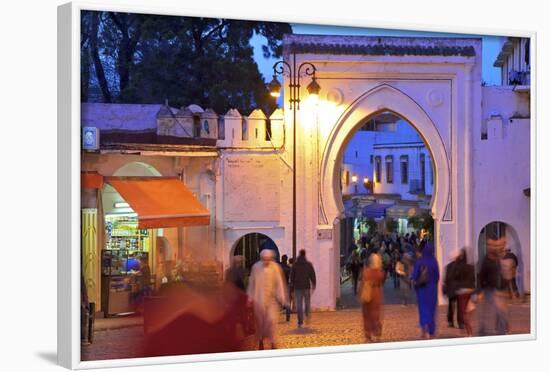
(464, 277)
(426, 292)
(372, 297)
(195, 320)
(236, 273)
(267, 290)
(493, 286)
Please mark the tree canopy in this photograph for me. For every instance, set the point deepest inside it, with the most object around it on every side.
(139, 58)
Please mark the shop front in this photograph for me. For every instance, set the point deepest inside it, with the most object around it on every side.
(134, 215)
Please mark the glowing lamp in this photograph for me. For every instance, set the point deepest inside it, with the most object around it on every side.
(274, 87)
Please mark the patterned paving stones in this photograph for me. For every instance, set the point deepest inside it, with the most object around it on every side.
(342, 327)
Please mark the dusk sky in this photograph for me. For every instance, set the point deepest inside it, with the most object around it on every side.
(490, 45)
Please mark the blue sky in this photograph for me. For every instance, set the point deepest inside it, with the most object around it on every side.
(490, 45)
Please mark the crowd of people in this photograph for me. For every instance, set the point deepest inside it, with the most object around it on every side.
(251, 302)
(409, 262)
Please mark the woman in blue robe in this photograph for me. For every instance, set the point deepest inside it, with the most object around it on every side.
(426, 294)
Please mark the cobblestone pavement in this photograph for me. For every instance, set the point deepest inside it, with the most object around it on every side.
(342, 327)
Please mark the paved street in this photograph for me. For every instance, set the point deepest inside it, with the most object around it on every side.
(342, 327)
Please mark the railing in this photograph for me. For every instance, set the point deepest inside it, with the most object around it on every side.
(519, 77)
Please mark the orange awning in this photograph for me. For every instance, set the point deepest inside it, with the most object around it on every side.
(91, 180)
(161, 202)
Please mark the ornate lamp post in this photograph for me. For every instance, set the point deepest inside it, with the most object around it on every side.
(294, 73)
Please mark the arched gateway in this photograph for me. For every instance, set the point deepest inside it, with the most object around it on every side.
(381, 98)
(434, 84)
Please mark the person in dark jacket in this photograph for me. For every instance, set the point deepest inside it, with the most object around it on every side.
(464, 278)
(426, 289)
(236, 273)
(286, 270)
(493, 288)
(302, 277)
(449, 287)
(354, 267)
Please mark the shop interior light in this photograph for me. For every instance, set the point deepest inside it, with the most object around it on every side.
(122, 205)
(125, 214)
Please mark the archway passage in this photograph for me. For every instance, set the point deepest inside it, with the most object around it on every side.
(386, 182)
(250, 245)
(386, 98)
(501, 240)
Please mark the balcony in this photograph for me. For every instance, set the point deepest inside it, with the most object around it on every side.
(521, 80)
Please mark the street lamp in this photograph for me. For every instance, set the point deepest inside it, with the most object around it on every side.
(294, 73)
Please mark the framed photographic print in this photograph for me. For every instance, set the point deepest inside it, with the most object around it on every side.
(234, 188)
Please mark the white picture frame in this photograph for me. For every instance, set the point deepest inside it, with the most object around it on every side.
(69, 147)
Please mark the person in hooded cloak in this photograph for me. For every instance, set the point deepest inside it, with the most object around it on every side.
(426, 290)
(267, 291)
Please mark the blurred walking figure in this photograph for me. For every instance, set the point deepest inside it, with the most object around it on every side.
(371, 297)
(267, 291)
(449, 290)
(493, 288)
(464, 277)
(425, 278)
(404, 269)
(354, 267)
(236, 273)
(302, 277)
(286, 270)
(509, 270)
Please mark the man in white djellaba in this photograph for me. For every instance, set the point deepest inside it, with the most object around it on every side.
(268, 292)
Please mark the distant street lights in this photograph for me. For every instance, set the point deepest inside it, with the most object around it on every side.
(294, 73)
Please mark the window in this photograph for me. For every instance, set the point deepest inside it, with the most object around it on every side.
(346, 178)
(404, 159)
(221, 128)
(389, 169)
(527, 48)
(371, 157)
(484, 130)
(244, 124)
(196, 126)
(356, 154)
(423, 171)
(377, 168)
(268, 130)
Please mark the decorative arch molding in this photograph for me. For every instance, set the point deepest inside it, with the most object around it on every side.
(381, 98)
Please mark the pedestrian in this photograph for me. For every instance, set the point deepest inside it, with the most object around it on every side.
(404, 269)
(425, 278)
(371, 298)
(236, 273)
(464, 276)
(493, 289)
(144, 277)
(354, 268)
(449, 290)
(286, 271)
(267, 291)
(509, 270)
(395, 258)
(303, 281)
